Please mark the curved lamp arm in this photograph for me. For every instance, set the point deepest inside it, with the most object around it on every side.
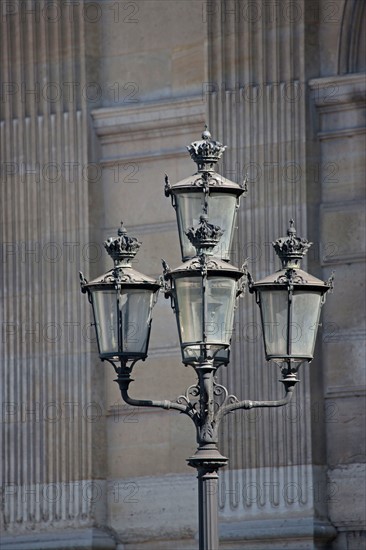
(235, 404)
(202, 412)
(124, 381)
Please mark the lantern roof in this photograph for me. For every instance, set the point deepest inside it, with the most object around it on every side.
(295, 277)
(207, 181)
(119, 275)
(291, 249)
(206, 153)
(121, 249)
(204, 264)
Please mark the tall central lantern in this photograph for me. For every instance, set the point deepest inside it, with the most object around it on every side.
(208, 193)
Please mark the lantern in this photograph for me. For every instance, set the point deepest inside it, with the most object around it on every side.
(290, 301)
(122, 301)
(206, 192)
(204, 291)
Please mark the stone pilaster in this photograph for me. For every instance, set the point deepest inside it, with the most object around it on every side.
(52, 416)
(340, 108)
(257, 97)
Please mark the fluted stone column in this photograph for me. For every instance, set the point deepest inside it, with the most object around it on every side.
(52, 414)
(257, 98)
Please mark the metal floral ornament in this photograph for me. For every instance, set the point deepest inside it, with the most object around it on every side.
(123, 247)
(207, 152)
(291, 249)
(204, 237)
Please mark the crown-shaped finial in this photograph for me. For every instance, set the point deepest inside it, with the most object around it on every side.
(122, 248)
(204, 236)
(206, 152)
(291, 249)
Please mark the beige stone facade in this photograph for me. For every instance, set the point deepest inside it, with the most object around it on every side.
(98, 102)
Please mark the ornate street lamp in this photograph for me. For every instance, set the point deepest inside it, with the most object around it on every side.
(206, 192)
(203, 292)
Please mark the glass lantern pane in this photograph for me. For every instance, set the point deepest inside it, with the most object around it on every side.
(105, 311)
(191, 353)
(222, 356)
(304, 325)
(135, 307)
(221, 292)
(189, 305)
(222, 212)
(189, 209)
(219, 313)
(194, 352)
(274, 307)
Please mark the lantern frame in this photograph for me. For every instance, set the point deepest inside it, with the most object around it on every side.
(210, 186)
(290, 280)
(203, 269)
(120, 280)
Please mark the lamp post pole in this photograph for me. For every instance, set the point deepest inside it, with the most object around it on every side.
(204, 292)
(200, 403)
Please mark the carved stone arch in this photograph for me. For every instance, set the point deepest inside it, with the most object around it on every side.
(352, 43)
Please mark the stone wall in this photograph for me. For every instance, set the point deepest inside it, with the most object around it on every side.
(283, 85)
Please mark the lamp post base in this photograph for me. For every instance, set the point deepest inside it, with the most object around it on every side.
(207, 460)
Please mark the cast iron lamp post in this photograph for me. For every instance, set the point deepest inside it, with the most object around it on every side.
(204, 291)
